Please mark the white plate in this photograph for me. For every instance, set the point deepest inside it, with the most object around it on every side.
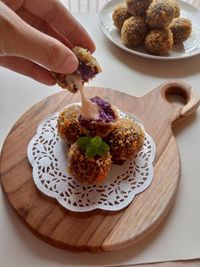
(189, 48)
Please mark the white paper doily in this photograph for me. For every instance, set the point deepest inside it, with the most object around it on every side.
(47, 155)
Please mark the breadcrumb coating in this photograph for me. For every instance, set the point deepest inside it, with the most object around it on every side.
(88, 170)
(160, 14)
(181, 29)
(68, 125)
(159, 41)
(174, 4)
(133, 31)
(176, 7)
(138, 7)
(125, 140)
(120, 14)
(87, 69)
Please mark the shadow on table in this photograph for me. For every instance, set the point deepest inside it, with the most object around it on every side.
(170, 69)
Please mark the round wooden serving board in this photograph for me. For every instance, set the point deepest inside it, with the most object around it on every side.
(98, 230)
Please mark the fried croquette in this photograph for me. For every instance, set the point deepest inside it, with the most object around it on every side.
(120, 14)
(88, 170)
(68, 125)
(159, 41)
(181, 29)
(125, 140)
(101, 126)
(88, 68)
(138, 7)
(133, 31)
(160, 14)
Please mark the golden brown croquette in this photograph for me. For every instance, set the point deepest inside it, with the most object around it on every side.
(88, 68)
(175, 6)
(133, 31)
(181, 29)
(88, 170)
(120, 14)
(68, 125)
(138, 7)
(160, 14)
(125, 140)
(159, 41)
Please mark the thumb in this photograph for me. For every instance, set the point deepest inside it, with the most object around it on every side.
(22, 40)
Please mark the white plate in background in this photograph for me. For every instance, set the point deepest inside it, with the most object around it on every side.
(189, 48)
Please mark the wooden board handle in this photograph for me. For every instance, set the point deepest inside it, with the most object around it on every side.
(97, 231)
(191, 98)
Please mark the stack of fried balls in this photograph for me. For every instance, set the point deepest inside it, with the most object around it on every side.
(93, 145)
(154, 23)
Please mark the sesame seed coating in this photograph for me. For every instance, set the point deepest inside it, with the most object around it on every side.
(181, 29)
(88, 170)
(125, 140)
(159, 41)
(120, 14)
(174, 4)
(160, 14)
(138, 7)
(133, 31)
(68, 125)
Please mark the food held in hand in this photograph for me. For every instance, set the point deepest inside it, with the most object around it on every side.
(125, 140)
(120, 14)
(181, 29)
(89, 160)
(159, 41)
(88, 68)
(138, 7)
(133, 31)
(160, 14)
(68, 125)
(101, 125)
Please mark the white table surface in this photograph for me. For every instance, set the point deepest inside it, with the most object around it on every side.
(135, 76)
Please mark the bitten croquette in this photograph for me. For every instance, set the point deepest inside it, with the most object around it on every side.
(176, 7)
(88, 68)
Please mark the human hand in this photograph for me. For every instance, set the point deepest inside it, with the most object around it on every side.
(34, 37)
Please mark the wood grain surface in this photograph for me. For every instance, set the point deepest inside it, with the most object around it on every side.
(191, 263)
(99, 230)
